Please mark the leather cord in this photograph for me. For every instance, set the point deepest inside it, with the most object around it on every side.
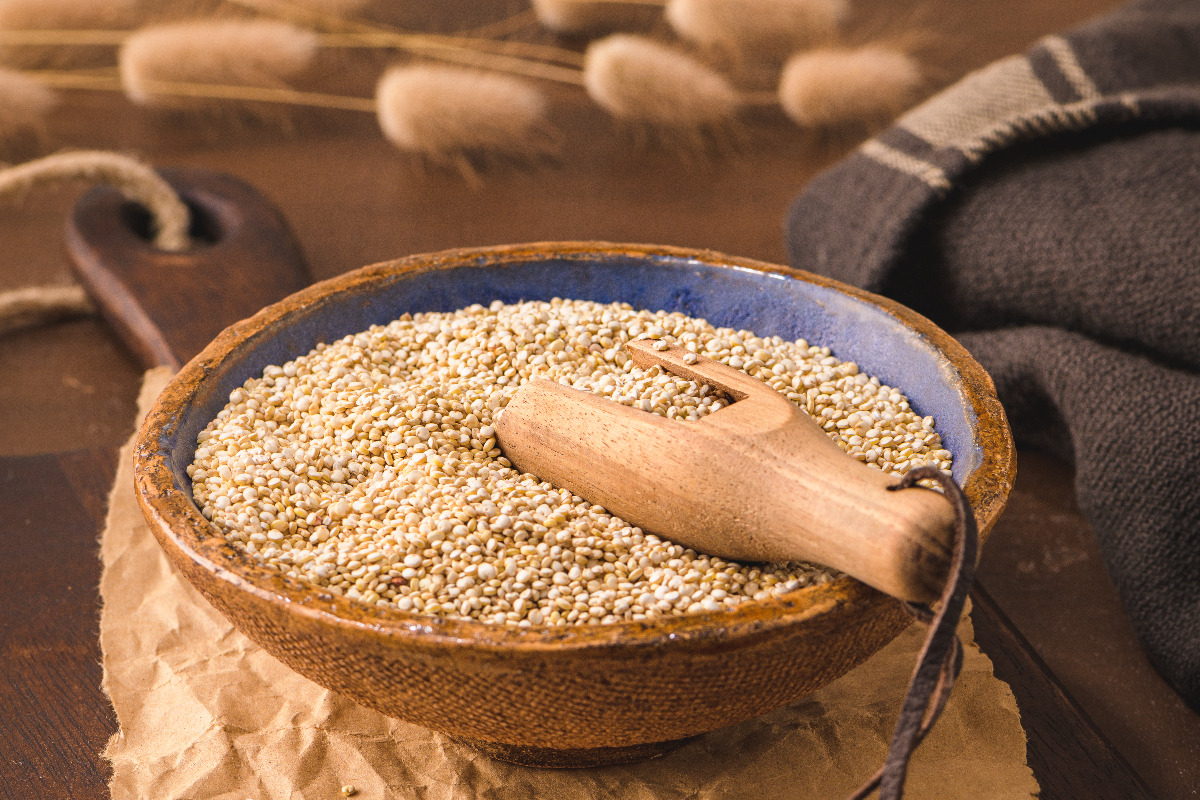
(942, 654)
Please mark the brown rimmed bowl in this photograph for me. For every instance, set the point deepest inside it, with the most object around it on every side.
(587, 695)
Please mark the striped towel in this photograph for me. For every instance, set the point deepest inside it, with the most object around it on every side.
(1046, 210)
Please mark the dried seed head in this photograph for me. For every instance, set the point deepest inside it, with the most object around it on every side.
(24, 104)
(589, 16)
(449, 113)
(51, 15)
(756, 30)
(256, 53)
(642, 81)
(833, 88)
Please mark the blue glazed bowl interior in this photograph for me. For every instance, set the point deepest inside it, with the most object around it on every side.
(768, 304)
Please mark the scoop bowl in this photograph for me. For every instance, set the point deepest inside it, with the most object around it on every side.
(585, 695)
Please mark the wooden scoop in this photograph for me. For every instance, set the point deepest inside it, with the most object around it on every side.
(755, 481)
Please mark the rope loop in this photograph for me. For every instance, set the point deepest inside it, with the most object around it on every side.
(137, 181)
(25, 308)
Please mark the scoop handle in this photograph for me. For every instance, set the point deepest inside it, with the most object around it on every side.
(757, 481)
(168, 306)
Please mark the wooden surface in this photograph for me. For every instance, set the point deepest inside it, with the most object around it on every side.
(1100, 721)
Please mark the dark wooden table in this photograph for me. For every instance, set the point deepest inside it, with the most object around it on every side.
(1101, 723)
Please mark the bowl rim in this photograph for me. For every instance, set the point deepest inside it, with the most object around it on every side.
(177, 523)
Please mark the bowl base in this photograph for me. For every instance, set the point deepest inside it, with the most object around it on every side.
(576, 758)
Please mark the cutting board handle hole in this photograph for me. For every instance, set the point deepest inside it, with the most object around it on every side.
(204, 230)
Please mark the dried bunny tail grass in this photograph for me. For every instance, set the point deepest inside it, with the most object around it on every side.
(191, 92)
(512, 55)
(757, 30)
(590, 16)
(255, 53)
(19, 16)
(24, 104)
(839, 88)
(502, 55)
(457, 116)
(645, 82)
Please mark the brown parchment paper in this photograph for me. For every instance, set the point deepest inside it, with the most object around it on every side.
(204, 713)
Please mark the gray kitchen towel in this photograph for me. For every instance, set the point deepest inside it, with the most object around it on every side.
(1046, 210)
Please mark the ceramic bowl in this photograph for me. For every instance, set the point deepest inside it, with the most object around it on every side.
(573, 696)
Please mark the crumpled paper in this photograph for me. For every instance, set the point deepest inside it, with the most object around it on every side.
(204, 713)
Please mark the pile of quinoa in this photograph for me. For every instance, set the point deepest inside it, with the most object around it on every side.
(369, 467)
